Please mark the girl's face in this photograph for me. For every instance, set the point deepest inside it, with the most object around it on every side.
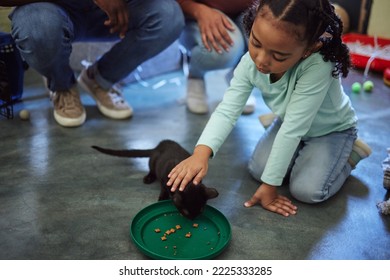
(274, 45)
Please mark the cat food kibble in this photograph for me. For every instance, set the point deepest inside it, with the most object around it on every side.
(173, 230)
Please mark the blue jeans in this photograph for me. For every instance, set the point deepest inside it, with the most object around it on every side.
(318, 168)
(44, 33)
(202, 60)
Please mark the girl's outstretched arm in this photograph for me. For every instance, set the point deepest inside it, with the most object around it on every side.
(193, 168)
(267, 196)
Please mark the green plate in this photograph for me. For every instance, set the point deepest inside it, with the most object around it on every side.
(208, 239)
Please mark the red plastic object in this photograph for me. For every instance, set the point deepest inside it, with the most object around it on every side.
(386, 76)
(359, 60)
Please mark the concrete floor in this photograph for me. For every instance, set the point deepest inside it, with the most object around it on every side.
(60, 199)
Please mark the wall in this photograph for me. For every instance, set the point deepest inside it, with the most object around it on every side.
(379, 23)
(4, 21)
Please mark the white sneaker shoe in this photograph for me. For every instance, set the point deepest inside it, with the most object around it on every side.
(68, 110)
(267, 119)
(196, 98)
(249, 106)
(111, 103)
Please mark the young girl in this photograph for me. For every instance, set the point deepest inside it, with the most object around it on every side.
(295, 58)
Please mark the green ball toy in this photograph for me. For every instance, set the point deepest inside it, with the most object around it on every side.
(368, 86)
(356, 87)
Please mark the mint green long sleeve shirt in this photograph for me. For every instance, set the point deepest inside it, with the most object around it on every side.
(309, 101)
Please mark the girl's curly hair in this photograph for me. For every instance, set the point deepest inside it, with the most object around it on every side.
(321, 24)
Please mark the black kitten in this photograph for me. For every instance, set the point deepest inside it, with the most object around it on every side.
(162, 159)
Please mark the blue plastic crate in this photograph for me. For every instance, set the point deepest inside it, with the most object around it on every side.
(11, 75)
(11, 69)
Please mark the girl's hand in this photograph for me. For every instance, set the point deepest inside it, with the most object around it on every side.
(193, 168)
(118, 15)
(267, 196)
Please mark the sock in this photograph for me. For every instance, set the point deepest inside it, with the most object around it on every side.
(360, 150)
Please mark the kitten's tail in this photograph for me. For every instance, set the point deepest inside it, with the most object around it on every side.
(124, 153)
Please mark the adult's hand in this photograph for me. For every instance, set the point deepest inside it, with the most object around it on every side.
(213, 24)
(118, 15)
(214, 27)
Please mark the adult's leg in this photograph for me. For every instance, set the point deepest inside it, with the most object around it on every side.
(43, 33)
(153, 26)
(202, 60)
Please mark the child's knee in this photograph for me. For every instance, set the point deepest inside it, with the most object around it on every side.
(306, 193)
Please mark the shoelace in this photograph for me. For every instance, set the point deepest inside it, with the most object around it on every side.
(64, 101)
(116, 95)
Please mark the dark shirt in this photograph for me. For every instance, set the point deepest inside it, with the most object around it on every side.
(230, 7)
(77, 5)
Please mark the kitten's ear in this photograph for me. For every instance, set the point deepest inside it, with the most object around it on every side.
(211, 193)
